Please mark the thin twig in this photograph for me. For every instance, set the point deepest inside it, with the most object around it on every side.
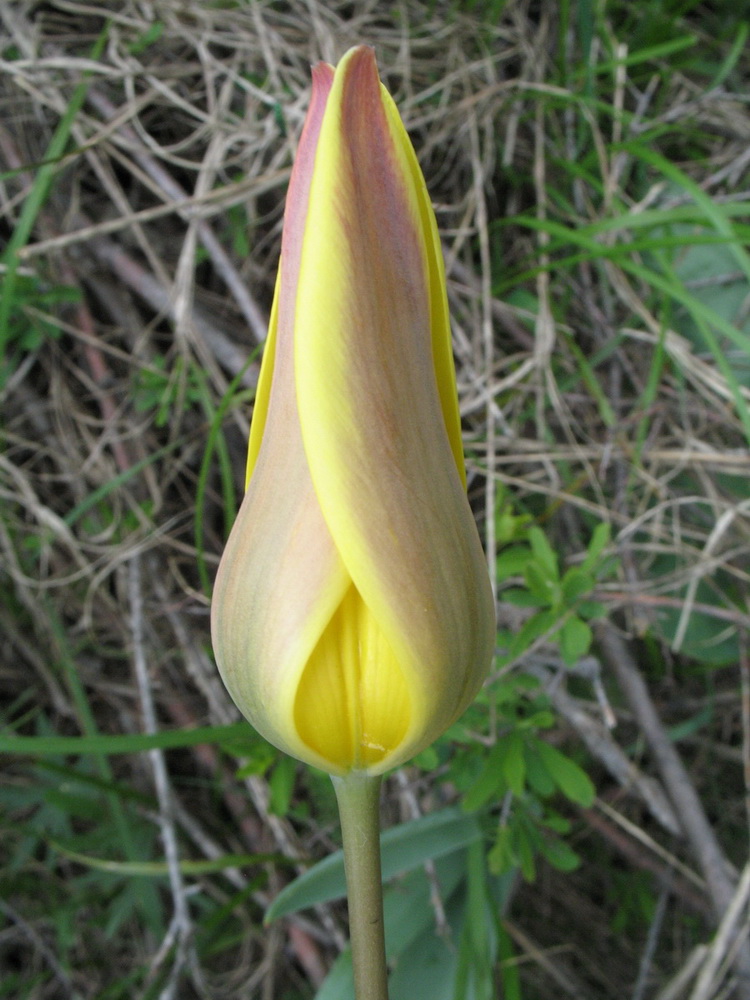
(744, 664)
(181, 928)
(733, 924)
(677, 986)
(173, 190)
(602, 745)
(715, 866)
(652, 939)
(442, 927)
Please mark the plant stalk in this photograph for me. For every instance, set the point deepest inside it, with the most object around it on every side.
(358, 797)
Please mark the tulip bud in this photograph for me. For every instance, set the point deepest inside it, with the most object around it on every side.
(352, 618)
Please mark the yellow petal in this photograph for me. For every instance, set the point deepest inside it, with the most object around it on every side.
(280, 579)
(375, 432)
(352, 617)
(352, 705)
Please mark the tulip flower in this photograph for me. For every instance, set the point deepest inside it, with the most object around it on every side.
(353, 620)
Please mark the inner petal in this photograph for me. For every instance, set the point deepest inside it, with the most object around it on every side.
(352, 704)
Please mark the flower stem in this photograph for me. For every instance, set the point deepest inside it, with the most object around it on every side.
(359, 808)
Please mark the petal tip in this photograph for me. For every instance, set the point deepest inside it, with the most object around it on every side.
(322, 76)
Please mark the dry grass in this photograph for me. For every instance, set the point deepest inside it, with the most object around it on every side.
(163, 220)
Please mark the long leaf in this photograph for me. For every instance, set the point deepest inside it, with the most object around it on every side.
(403, 848)
(169, 739)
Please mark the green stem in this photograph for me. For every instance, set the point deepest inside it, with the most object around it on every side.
(359, 808)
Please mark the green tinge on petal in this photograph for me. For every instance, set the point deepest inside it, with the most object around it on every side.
(352, 705)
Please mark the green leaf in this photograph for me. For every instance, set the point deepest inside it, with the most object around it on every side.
(522, 598)
(599, 541)
(510, 526)
(544, 553)
(554, 821)
(427, 760)
(572, 781)
(650, 53)
(506, 690)
(525, 853)
(691, 726)
(560, 855)
(542, 719)
(476, 947)
(256, 757)
(537, 774)
(513, 762)
(513, 561)
(575, 583)
(406, 904)
(712, 210)
(509, 973)
(591, 609)
(543, 586)
(281, 786)
(501, 857)
(732, 57)
(709, 323)
(575, 640)
(215, 443)
(428, 966)
(402, 848)
(489, 784)
(51, 746)
(339, 983)
(111, 485)
(592, 382)
(152, 34)
(533, 629)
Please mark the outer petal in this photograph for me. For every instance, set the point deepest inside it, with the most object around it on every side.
(374, 388)
(442, 345)
(291, 252)
(280, 579)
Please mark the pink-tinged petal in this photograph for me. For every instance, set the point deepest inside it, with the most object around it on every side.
(291, 252)
(374, 430)
(352, 616)
(280, 579)
(442, 346)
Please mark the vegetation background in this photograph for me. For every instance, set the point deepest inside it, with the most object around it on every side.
(583, 831)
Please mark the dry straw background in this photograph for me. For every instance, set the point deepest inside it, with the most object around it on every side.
(145, 150)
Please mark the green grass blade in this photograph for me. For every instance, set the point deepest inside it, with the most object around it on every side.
(169, 739)
(103, 491)
(158, 869)
(712, 212)
(36, 198)
(215, 442)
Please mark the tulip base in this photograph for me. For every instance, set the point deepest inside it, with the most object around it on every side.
(358, 798)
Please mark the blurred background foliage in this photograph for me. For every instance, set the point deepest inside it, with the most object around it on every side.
(583, 830)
